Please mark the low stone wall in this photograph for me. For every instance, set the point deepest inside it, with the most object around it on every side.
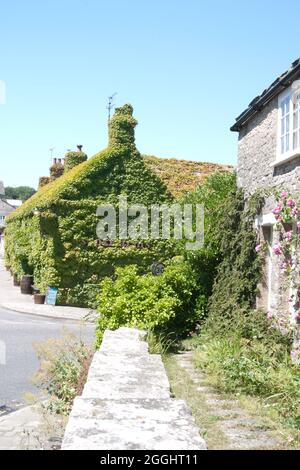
(126, 402)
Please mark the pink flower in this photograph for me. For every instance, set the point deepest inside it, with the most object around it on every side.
(297, 317)
(277, 250)
(283, 195)
(269, 315)
(258, 248)
(298, 224)
(295, 211)
(290, 202)
(277, 209)
(288, 235)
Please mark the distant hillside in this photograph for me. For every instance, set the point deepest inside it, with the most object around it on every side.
(182, 176)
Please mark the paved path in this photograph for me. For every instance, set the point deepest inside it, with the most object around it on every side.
(17, 334)
(12, 299)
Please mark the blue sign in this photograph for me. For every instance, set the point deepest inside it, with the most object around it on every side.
(51, 295)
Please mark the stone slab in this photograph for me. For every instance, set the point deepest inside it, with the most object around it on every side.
(135, 424)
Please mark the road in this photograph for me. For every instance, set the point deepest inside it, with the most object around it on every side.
(18, 332)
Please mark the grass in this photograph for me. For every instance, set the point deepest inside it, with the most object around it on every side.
(183, 387)
(266, 417)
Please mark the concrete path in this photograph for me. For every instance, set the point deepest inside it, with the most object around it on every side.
(126, 402)
(12, 299)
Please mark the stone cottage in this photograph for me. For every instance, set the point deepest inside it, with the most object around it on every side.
(269, 157)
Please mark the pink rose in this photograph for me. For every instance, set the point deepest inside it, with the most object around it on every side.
(269, 315)
(277, 250)
(283, 195)
(290, 202)
(258, 248)
(295, 211)
(288, 235)
(277, 209)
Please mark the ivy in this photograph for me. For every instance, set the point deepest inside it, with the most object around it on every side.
(53, 234)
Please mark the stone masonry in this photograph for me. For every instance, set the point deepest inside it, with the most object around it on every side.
(126, 403)
(257, 151)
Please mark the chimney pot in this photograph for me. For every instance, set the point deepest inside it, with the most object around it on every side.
(79, 147)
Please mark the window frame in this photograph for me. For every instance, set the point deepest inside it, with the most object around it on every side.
(291, 152)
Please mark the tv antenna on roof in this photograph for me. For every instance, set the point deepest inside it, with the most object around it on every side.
(51, 153)
(110, 105)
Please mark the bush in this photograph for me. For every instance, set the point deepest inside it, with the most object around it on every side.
(162, 303)
(63, 370)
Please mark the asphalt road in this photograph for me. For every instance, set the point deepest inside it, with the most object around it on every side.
(18, 359)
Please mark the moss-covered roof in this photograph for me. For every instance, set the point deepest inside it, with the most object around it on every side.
(182, 176)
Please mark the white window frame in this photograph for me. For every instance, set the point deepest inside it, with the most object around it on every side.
(289, 94)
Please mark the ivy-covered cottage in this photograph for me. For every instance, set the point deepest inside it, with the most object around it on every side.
(269, 159)
(53, 235)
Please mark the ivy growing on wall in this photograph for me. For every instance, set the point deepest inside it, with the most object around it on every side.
(53, 235)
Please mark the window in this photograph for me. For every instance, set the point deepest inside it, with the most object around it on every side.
(289, 123)
(2, 217)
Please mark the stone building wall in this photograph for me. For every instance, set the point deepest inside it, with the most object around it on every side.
(257, 151)
(257, 147)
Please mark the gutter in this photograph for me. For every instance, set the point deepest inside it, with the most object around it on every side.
(260, 102)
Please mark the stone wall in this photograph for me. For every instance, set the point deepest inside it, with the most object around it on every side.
(126, 402)
(257, 151)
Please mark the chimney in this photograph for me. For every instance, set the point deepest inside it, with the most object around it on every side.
(54, 161)
(79, 148)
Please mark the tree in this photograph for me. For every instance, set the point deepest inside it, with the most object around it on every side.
(20, 192)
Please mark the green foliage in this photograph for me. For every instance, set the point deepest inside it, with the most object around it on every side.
(162, 303)
(43, 180)
(252, 357)
(237, 344)
(63, 369)
(213, 194)
(73, 159)
(21, 192)
(240, 270)
(53, 235)
(56, 170)
(121, 127)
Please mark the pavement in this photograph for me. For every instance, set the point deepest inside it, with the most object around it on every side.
(31, 428)
(12, 299)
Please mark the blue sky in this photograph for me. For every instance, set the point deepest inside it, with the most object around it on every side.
(188, 67)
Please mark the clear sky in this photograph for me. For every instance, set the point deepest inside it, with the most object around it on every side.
(188, 67)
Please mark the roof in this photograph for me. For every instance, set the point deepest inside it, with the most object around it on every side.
(181, 176)
(259, 102)
(5, 208)
(14, 202)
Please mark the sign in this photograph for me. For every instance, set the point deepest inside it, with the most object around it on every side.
(51, 295)
(157, 269)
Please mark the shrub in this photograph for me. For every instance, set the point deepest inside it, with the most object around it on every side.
(63, 369)
(162, 303)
